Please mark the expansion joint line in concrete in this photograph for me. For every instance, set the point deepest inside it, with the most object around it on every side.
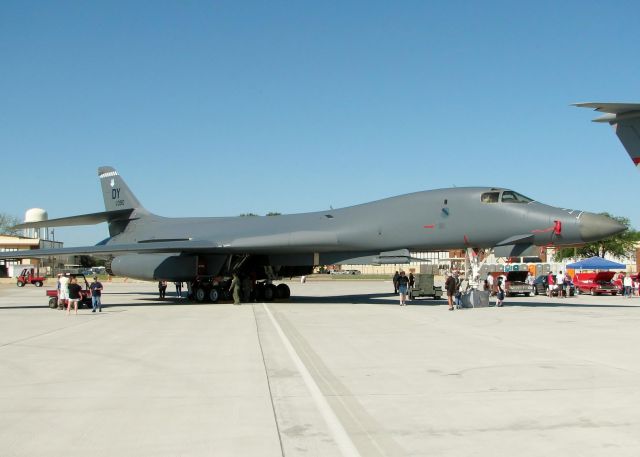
(55, 330)
(266, 373)
(340, 435)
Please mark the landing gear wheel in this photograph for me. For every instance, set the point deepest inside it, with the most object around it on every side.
(53, 303)
(20, 284)
(269, 292)
(214, 295)
(283, 291)
(200, 294)
(38, 283)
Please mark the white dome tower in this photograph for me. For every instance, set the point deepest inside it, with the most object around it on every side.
(36, 215)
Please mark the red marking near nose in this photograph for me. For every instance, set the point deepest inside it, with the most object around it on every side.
(636, 160)
(557, 227)
(429, 226)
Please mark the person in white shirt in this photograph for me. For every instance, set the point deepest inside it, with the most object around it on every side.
(628, 286)
(63, 293)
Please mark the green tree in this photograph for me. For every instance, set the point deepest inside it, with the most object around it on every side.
(7, 222)
(621, 245)
(248, 214)
(86, 261)
(273, 213)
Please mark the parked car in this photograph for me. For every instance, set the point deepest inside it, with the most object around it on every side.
(540, 286)
(596, 283)
(345, 272)
(515, 283)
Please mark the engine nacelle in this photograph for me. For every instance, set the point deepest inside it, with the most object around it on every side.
(171, 267)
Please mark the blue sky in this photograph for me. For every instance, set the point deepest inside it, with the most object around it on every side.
(220, 108)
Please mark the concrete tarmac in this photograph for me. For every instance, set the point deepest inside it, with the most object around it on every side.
(340, 369)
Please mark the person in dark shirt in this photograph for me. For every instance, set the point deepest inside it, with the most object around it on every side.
(75, 295)
(450, 286)
(96, 295)
(162, 288)
(403, 288)
(395, 282)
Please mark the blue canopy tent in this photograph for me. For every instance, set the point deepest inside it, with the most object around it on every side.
(596, 263)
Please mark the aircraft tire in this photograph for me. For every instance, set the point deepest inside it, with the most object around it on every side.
(214, 295)
(258, 292)
(269, 292)
(283, 291)
(200, 294)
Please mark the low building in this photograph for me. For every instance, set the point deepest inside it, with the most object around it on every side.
(9, 243)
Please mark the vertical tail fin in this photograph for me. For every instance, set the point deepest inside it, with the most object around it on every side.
(625, 119)
(115, 191)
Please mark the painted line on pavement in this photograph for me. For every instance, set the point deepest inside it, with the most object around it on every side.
(340, 435)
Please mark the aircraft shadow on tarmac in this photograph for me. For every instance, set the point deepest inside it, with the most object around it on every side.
(151, 299)
(23, 307)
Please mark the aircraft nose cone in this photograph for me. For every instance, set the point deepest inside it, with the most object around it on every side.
(595, 227)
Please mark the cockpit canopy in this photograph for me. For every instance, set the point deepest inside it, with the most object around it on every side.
(504, 196)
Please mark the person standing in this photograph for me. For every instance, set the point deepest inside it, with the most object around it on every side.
(403, 288)
(500, 292)
(96, 295)
(395, 282)
(412, 280)
(450, 286)
(162, 288)
(178, 288)
(58, 289)
(490, 280)
(551, 284)
(234, 288)
(63, 292)
(560, 284)
(628, 286)
(74, 295)
(457, 296)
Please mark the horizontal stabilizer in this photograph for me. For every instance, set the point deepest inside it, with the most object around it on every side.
(625, 118)
(108, 249)
(617, 109)
(83, 219)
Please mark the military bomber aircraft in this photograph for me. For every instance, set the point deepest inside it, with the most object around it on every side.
(146, 246)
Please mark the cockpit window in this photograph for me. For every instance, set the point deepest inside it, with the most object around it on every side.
(490, 197)
(509, 196)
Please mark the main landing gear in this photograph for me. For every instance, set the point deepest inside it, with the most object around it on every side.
(212, 292)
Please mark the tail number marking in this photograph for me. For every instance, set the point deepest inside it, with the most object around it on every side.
(115, 195)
